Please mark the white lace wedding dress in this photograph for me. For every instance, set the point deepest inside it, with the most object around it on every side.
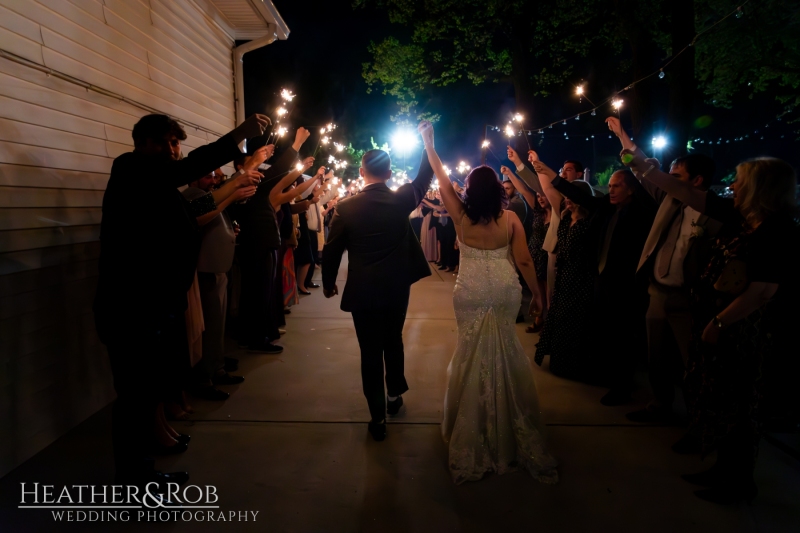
(491, 421)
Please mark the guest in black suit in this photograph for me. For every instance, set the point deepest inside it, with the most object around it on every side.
(384, 259)
(149, 243)
(259, 242)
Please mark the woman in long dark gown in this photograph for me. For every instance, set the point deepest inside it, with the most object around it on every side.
(576, 268)
(745, 312)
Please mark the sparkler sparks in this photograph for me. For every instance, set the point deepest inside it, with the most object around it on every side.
(281, 111)
(287, 95)
(518, 117)
(510, 131)
(485, 144)
(617, 103)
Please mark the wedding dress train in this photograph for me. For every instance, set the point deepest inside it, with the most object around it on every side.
(491, 421)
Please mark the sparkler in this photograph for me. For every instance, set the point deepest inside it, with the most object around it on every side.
(281, 111)
(616, 104)
(519, 118)
(486, 144)
(287, 95)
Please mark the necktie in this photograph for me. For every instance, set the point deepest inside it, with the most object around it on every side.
(668, 247)
(607, 241)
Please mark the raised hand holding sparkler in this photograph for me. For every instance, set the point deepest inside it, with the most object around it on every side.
(254, 160)
(253, 126)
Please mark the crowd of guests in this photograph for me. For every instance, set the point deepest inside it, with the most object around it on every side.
(703, 285)
(660, 266)
(199, 257)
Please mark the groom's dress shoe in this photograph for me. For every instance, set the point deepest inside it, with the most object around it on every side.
(377, 430)
(393, 407)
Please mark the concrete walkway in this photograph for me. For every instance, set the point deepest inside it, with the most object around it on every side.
(291, 443)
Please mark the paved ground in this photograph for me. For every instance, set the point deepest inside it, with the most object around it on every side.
(291, 444)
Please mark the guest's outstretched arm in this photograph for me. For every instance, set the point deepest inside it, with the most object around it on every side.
(683, 191)
(452, 202)
(546, 177)
(531, 179)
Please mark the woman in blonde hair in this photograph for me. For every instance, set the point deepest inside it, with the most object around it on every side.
(744, 308)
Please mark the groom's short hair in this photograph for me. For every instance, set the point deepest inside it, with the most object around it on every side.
(377, 163)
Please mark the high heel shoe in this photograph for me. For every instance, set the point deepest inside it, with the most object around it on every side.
(301, 291)
(178, 447)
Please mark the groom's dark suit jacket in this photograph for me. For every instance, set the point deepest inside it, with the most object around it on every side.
(384, 255)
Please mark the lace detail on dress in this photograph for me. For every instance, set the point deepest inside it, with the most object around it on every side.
(492, 421)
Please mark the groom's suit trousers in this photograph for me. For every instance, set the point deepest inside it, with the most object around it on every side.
(380, 337)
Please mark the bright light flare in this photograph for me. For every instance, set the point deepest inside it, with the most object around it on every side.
(325, 140)
(510, 131)
(518, 117)
(447, 169)
(331, 127)
(404, 141)
(299, 167)
(462, 167)
(579, 90)
(287, 95)
(322, 131)
(659, 142)
(485, 144)
(281, 111)
(339, 147)
(617, 104)
(335, 181)
(281, 131)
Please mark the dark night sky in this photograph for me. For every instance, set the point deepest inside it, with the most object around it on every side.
(321, 63)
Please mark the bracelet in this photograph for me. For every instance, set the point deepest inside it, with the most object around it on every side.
(646, 172)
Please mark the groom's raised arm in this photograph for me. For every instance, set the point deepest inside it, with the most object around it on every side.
(421, 183)
(333, 251)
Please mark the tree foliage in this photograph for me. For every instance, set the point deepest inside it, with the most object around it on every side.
(535, 44)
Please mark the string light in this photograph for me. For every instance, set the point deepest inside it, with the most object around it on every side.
(614, 99)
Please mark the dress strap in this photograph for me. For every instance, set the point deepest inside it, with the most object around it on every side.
(508, 239)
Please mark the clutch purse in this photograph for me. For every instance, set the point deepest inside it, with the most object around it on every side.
(733, 279)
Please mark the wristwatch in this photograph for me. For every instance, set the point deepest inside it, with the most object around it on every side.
(718, 322)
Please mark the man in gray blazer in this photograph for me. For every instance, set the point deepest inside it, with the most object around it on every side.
(674, 254)
(384, 259)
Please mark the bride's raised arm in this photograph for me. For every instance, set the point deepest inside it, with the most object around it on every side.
(451, 200)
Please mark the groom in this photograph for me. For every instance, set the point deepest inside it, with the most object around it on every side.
(384, 259)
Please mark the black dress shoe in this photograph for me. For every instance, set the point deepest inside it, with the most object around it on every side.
(210, 393)
(652, 416)
(688, 444)
(265, 347)
(730, 493)
(377, 430)
(393, 407)
(301, 291)
(227, 379)
(231, 364)
(616, 397)
(183, 438)
(160, 449)
(312, 286)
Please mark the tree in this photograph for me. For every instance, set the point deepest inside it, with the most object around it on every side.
(482, 41)
(535, 45)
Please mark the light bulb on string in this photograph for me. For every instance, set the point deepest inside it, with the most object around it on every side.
(661, 74)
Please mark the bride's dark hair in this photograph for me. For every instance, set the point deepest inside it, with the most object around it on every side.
(484, 196)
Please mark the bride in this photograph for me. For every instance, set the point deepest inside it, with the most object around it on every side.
(491, 421)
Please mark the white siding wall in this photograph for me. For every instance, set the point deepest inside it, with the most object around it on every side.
(57, 143)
